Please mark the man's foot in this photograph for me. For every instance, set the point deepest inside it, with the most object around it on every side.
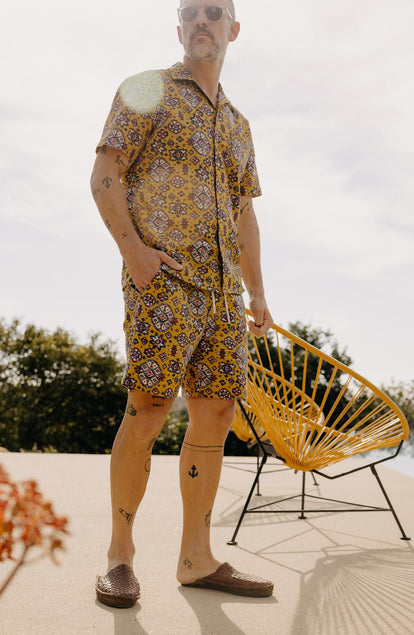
(193, 568)
(228, 580)
(118, 588)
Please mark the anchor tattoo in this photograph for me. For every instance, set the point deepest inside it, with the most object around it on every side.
(193, 472)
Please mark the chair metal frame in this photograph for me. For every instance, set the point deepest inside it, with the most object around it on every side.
(298, 415)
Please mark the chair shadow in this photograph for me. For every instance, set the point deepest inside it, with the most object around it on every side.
(358, 594)
(125, 620)
(208, 608)
(287, 510)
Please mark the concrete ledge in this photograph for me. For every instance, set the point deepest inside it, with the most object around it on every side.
(333, 572)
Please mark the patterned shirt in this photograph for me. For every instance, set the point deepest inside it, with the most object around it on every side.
(188, 165)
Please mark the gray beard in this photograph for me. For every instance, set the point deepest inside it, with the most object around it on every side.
(211, 55)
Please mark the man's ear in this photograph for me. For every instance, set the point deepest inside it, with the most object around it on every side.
(180, 37)
(234, 31)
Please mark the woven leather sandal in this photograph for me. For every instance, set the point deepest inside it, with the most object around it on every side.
(118, 588)
(228, 580)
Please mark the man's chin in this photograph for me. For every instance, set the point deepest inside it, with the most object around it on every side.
(200, 53)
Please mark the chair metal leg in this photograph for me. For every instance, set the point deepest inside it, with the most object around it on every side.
(302, 515)
(392, 510)
(258, 464)
(233, 540)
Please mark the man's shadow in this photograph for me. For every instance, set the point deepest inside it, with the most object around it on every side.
(208, 608)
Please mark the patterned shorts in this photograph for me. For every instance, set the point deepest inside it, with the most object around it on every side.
(179, 335)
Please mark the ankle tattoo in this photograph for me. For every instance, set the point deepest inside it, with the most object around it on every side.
(187, 563)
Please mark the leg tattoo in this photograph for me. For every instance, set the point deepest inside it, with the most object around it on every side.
(193, 472)
(127, 516)
(151, 445)
(203, 448)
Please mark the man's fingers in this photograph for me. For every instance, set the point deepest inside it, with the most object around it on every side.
(170, 262)
(259, 330)
(259, 318)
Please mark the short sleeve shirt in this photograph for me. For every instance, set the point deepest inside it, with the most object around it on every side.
(189, 163)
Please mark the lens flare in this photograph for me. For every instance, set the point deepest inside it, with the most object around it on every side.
(143, 92)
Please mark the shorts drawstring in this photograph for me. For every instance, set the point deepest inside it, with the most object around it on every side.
(227, 308)
(213, 297)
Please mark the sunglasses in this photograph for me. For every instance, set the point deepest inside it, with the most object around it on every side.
(213, 13)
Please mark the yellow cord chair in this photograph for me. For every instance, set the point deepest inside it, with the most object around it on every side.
(247, 428)
(315, 411)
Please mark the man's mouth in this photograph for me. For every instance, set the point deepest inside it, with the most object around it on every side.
(203, 34)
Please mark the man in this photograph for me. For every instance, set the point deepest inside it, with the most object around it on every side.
(174, 179)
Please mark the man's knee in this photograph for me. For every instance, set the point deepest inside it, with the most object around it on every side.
(214, 416)
(145, 416)
(225, 411)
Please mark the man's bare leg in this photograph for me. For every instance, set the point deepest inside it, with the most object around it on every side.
(130, 467)
(200, 468)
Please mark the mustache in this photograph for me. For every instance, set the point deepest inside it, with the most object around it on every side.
(202, 30)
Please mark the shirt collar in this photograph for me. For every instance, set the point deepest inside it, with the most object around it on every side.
(180, 72)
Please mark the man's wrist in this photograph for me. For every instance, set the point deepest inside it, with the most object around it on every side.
(256, 294)
(130, 243)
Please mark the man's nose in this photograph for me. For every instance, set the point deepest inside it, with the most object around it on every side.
(201, 19)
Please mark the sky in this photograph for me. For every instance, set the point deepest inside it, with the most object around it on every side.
(328, 89)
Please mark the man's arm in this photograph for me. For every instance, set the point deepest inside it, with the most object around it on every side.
(143, 262)
(249, 244)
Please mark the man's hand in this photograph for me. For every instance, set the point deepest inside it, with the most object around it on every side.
(144, 262)
(262, 319)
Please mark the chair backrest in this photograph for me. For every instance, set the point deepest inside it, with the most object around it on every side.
(314, 409)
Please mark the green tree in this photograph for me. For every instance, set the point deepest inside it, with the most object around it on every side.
(56, 393)
(402, 393)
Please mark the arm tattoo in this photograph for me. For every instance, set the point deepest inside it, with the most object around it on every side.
(127, 516)
(207, 519)
(131, 411)
(96, 193)
(107, 182)
(242, 246)
(120, 162)
(108, 224)
(244, 207)
(124, 235)
(148, 466)
(203, 448)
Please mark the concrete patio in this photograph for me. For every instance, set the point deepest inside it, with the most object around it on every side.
(333, 572)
